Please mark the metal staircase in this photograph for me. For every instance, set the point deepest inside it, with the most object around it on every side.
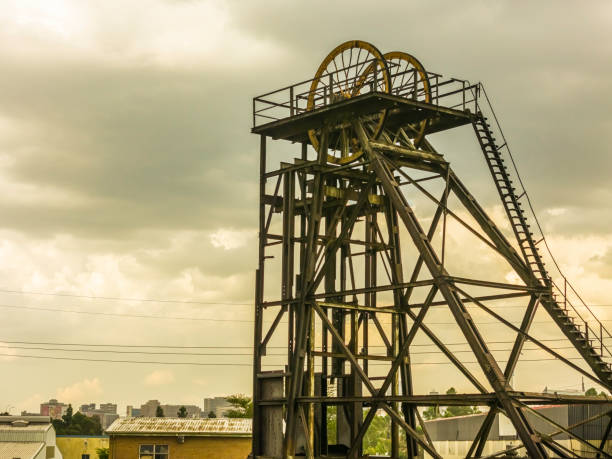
(511, 201)
(585, 331)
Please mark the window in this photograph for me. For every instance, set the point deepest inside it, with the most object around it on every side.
(153, 452)
(84, 456)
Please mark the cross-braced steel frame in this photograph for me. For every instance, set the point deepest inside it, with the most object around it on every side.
(330, 230)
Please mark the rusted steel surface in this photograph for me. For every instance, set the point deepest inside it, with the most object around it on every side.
(181, 426)
(333, 228)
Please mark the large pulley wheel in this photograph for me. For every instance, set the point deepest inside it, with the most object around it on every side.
(409, 79)
(351, 69)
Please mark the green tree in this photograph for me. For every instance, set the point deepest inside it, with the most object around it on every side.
(211, 414)
(182, 412)
(67, 418)
(159, 412)
(78, 424)
(103, 453)
(452, 411)
(6, 413)
(591, 392)
(377, 440)
(432, 412)
(332, 424)
(242, 406)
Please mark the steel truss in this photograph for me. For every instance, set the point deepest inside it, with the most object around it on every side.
(332, 228)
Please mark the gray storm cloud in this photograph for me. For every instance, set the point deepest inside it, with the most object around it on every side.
(125, 146)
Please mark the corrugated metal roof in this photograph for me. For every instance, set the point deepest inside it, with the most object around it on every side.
(22, 434)
(179, 426)
(29, 428)
(35, 432)
(20, 449)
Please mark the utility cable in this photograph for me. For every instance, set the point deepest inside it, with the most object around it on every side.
(117, 314)
(203, 319)
(118, 298)
(47, 343)
(151, 362)
(242, 354)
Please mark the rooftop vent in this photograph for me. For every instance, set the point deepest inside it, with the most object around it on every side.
(20, 423)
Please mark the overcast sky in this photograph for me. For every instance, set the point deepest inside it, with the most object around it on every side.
(127, 169)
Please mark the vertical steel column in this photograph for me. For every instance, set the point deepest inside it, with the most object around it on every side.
(295, 379)
(395, 256)
(354, 383)
(456, 306)
(330, 289)
(288, 250)
(259, 283)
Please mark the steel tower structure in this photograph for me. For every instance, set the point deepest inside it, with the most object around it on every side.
(355, 268)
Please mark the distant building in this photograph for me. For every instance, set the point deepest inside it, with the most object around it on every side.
(171, 411)
(79, 446)
(149, 410)
(166, 438)
(28, 437)
(453, 436)
(132, 412)
(53, 409)
(217, 405)
(89, 407)
(563, 391)
(108, 408)
(107, 413)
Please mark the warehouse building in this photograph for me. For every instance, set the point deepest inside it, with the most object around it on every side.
(453, 436)
(28, 437)
(166, 438)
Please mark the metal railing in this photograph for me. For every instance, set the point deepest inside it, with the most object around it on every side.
(338, 85)
(564, 292)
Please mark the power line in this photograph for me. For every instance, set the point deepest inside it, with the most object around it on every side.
(117, 314)
(235, 364)
(203, 319)
(223, 364)
(118, 298)
(48, 343)
(131, 345)
(242, 354)
(163, 300)
(114, 351)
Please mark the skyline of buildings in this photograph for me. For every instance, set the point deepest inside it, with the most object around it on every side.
(108, 412)
(217, 405)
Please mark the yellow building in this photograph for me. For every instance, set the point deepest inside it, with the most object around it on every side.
(80, 446)
(174, 438)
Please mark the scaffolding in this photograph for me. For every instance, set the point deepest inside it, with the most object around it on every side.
(359, 269)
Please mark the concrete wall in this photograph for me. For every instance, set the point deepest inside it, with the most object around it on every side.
(72, 447)
(458, 429)
(465, 428)
(127, 447)
(42, 454)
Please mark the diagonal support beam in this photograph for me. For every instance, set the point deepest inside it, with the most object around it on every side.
(449, 354)
(605, 436)
(562, 429)
(438, 214)
(366, 381)
(532, 339)
(403, 352)
(508, 372)
(459, 311)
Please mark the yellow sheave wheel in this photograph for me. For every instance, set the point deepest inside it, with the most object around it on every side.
(409, 79)
(351, 69)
